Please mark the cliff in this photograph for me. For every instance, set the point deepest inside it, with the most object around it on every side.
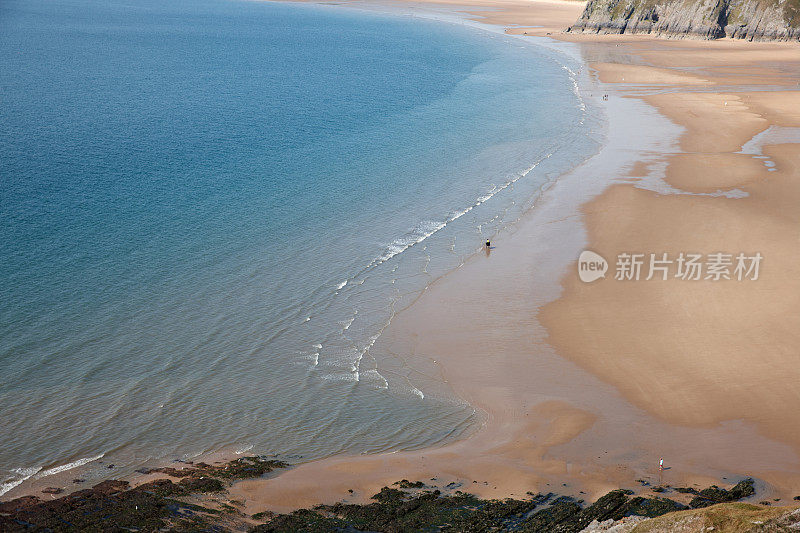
(758, 20)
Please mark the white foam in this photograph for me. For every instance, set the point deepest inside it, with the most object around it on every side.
(361, 354)
(573, 77)
(429, 227)
(347, 323)
(68, 466)
(373, 374)
(245, 448)
(347, 376)
(24, 473)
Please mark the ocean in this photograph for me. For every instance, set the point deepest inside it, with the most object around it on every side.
(211, 209)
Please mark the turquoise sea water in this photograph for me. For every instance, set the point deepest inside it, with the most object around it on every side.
(210, 209)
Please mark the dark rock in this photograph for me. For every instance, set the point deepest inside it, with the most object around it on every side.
(559, 516)
(188, 485)
(264, 515)
(714, 494)
(174, 472)
(398, 511)
(242, 468)
(110, 487)
(52, 490)
(406, 484)
(387, 495)
(611, 506)
(652, 507)
(107, 507)
(19, 504)
(113, 506)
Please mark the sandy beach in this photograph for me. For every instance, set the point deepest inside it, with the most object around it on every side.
(584, 387)
(625, 349)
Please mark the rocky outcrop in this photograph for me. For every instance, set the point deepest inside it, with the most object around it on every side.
(159, 505)
(198, 502)
(758, 20)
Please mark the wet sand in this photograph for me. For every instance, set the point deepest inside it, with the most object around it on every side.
(584, 387)
(707, 352)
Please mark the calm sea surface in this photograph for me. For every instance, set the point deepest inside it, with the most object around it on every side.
(210, 209)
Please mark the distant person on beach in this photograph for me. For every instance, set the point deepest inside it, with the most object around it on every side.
(488, 244)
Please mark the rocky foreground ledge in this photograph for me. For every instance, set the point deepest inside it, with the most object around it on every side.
(194, 498)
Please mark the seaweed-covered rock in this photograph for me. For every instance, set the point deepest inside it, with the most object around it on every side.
(561, 515)
(715, 494)
(241, 468)
(302, 520)
(652, 507)
(396, 510)
(113, 506)
(406, 484)
(164, 504)
(611, 506)
(565, 515)
(187, 485)
(103, 508)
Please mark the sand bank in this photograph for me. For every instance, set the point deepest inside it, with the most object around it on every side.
(585, 386)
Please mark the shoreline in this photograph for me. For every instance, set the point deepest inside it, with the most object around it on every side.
(535, 438)
(550, 410)
(194, 498)
(293, 486)
(73, 475)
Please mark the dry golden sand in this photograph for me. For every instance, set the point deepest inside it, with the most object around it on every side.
(592, 388)
(536, 17)
(707, 352)
(702, 352)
